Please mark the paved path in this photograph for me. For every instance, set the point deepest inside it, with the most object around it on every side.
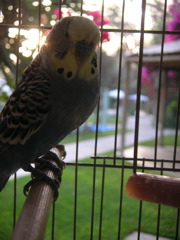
(106, 144)
(162, 153)
(144, 236)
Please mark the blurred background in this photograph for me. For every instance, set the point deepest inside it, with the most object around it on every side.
(137, 115)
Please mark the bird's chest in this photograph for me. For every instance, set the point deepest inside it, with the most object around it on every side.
(73, 102)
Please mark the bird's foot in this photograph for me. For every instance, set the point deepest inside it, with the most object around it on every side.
(43, 163)
(38, 174)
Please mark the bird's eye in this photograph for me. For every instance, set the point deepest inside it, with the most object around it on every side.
(66, 35)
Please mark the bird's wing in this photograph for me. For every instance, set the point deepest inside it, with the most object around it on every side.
(26, 109)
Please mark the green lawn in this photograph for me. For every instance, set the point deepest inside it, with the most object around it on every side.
(87, 134)
(111, 206)
(168, 140)
(65, 208)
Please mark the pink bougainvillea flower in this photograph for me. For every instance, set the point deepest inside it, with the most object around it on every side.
(174, 10)
(59, 14)
(146, 75)
(174, 23)
(98, 18)
(172, 26)
(105, 37)
(46, 33)
(172, 74)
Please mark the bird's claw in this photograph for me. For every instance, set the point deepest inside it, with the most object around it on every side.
(38, 175)
(43, 164)
(52, 156)
(52, 182)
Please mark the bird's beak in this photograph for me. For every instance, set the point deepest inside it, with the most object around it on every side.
(83, 46)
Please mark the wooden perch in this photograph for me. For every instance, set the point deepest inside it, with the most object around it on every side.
(33, 218)
(154, 188)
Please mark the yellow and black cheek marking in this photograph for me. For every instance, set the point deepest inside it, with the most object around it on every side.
(89, 70)
(66, 66)
(68, 75)
(94, 65)
(70, 67)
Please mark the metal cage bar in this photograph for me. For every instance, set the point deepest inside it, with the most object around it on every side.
(98, 161)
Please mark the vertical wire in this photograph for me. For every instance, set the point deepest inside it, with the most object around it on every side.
(158, 109)
(176, 131)
(39, 21)
(14, 200)
(140, 210)
(53, 221)
(39, 14)
(60, 6)
(158, 222)
(18, 42)
(76, 169)
(159, 210)
(81, 10)
(121, 201)
(136, 135)
(94, 172)
(102, 199)
(119, 82)
(76, 184)
(100, 83)
(94, 180)
(17, 77)
(96, 135)
(159, 85)
(139, 219)
(116, 129)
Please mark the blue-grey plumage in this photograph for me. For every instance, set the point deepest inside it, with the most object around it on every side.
(57, 93)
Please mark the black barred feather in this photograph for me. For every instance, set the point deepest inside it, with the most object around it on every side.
(24, 112)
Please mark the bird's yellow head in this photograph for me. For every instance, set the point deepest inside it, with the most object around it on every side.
(71, 47)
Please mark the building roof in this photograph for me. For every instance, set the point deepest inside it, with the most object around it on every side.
(152, 55)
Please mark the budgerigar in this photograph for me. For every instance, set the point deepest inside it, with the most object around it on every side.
(57, 93)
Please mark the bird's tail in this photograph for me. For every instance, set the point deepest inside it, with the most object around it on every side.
(3, 181)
